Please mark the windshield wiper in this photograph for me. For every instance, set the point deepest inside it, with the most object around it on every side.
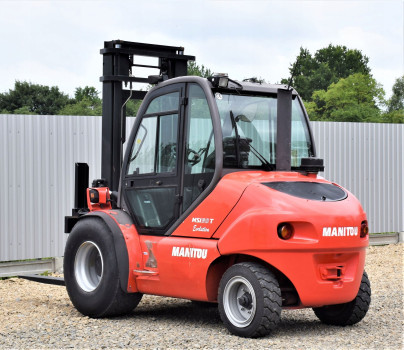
(234, 125)
(264, 161)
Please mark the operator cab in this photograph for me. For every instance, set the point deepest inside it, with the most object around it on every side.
(191, 131)
(250, 116)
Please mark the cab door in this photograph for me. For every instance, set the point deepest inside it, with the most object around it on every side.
(168, 169)
(199, 147)
(152, 181)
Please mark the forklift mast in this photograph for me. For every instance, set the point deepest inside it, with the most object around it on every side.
(118, 60)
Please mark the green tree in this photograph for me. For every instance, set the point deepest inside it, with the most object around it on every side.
(395, 105)
(343, 62)
(83, 107)
(88, 92)
(394, 117)
(31, 98)
(352, 99)
(85, 102)
(132, 107)
(327, 66)
(200, 71)
(396, 102)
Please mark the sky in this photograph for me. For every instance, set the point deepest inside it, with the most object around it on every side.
(57, 43)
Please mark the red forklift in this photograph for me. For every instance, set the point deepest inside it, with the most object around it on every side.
(217, 199)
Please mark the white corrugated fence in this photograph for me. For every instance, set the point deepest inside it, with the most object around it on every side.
(38, 153)
(368, 160)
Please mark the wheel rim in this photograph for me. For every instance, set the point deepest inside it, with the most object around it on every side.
(239, 301)
(88, 266)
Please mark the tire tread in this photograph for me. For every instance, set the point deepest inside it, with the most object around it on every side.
(349, 313)
(108, 299)
(272, 300)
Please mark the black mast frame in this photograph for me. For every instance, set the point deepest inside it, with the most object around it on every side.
(118, 60)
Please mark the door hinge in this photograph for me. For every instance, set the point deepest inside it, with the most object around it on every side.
(184, 101)
(179, 198)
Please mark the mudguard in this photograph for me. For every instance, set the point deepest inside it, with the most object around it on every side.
(126, 244)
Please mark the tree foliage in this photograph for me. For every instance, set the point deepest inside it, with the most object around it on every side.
(352, 99)
(200, 71)
(325, 67)
(395, 105)
(89, 93)
(31, 98)
(396, 102)
(132, 107)
(82, 107)
(28, 98)
(85, 102)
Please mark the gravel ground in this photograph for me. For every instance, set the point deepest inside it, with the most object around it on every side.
(34, 315)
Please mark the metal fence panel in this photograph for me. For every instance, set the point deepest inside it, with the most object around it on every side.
(37, 179)
(367, 159)
(37, 156)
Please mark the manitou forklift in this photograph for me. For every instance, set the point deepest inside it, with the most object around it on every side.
(217, 199)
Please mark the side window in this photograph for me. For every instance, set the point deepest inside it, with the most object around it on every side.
(199, 146)
(154, 149)
(164, 103)
(153, 207)
(167, 144)
(143, 154)
(301, 146)
(154, 152)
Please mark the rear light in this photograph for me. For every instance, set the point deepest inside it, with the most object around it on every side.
(98, 198)
(94, 196)
(364, 229)
(285, 231)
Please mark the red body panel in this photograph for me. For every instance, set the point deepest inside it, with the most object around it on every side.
(179, 266)
(324, 259)
(323, 269)
(208, 216)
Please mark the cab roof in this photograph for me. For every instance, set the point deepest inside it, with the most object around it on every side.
(233, 85)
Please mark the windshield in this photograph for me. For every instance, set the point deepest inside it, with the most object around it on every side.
(252, 120)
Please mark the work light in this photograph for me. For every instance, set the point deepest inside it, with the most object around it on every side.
(219, 80)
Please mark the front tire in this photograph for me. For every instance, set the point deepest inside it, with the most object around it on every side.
(249, 300)
(348, 313)
(91, 271)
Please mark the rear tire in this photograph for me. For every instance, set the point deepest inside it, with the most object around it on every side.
(347, 313)
(249, 300)
(91, 272)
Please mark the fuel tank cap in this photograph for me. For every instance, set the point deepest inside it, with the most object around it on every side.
(316, 191)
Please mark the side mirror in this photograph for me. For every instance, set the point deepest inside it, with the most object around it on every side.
(154, 79)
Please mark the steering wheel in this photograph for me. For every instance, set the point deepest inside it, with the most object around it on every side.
(193, 157)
